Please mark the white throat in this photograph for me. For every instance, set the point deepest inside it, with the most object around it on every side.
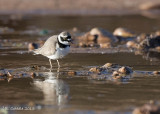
(62, 42)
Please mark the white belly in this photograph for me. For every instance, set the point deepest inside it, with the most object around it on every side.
(60, 53)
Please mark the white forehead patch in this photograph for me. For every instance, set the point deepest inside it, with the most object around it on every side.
(62, 35)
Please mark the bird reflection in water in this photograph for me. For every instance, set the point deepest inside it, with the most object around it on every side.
(55, 90)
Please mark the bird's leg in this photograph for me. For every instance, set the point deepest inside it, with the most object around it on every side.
(50, 64)
(58, 65)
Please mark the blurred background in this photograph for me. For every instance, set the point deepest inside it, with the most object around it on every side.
(78, 7)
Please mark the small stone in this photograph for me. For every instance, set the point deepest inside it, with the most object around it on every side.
(124, 70)
(103, 39)
(157, 33)
(32, 46)
(10, 76)
(21, 74)
(150, 42)
(147, 109)
(141, 37)
(95, 70)
(123, 32)
(158, 48)
(108, 65)
(117, 77)
(74, 29)
(91, 37)
(131, 44)
(3, 74)
(81, 44)
(33, 75)
(105, 45)
(35, 67)
(103, 35)
(115, 73)
(72, 73)
(156, 72)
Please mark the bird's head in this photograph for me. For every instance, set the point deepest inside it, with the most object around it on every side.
(65, 38)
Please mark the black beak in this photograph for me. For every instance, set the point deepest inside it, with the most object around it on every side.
(70, 40)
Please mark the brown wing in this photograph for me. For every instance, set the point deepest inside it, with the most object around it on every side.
(49, 47)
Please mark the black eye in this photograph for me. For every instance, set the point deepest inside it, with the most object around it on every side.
(68, 37)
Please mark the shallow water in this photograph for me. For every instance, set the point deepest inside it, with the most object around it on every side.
(50, 93)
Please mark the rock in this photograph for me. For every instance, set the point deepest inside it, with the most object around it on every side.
(105, 45)
(156, 73)
(150, 42)
(123, 32)
(150, 108)
(141, 37)
(33, 75)
(104, 40)
(82, 44)
(157, 33)
(71, 73)
(87, 37)
(110, 65)
(103, 35)
(158, 48)
(115, 73)
(75, 29)
(86, 40)
(131, 44)
(2, 74)
(125, 70)
(32, 46)
(97, 36)
(10, 76)
(35, 67)
(96, 70)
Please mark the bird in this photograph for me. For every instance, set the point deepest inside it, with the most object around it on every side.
(55, 47)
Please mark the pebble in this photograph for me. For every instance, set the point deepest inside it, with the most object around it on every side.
(131, 44)
(150, 108)
(156, 72)
(32, 46)
(71, 73)
(96, 70)
(125, 70)
(33, 75)
(123, 32)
